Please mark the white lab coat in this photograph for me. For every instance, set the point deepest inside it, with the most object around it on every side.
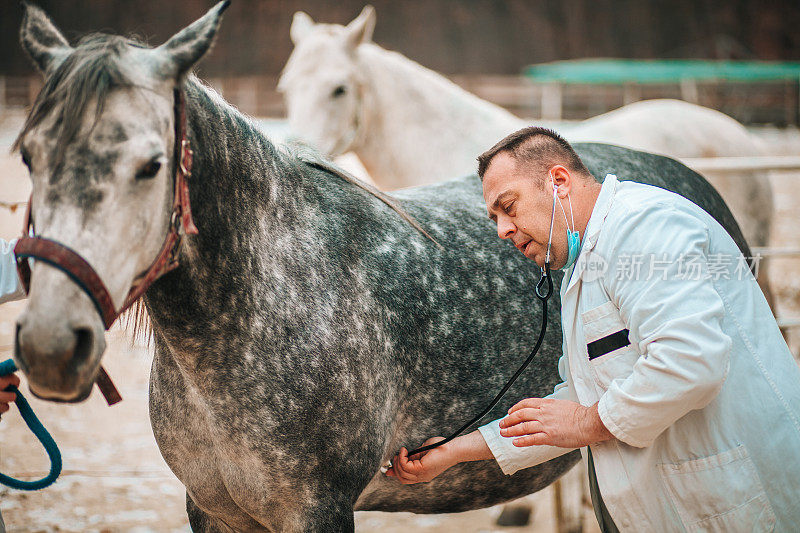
(10, 285)
(704, 402)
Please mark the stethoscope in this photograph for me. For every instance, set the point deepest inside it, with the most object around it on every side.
(544, 289)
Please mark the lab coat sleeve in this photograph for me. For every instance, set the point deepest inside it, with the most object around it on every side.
(675, 322)
(10, 284)
(512, 458)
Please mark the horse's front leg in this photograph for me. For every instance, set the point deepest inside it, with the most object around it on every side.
(203, 522)
(321, 514)
(328, 516)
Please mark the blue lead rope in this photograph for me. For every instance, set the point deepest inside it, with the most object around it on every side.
(7, 367)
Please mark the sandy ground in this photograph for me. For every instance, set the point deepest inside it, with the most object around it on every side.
(114, 477)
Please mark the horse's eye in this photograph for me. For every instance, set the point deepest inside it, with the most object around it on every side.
(149, 170)
(339, 91)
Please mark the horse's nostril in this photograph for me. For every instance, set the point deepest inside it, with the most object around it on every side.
(83, 346)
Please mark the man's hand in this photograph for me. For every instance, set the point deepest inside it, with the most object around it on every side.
(422, 467)
(7, 397)
(538, 421)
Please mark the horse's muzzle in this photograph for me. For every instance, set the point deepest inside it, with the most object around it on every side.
(60, 360)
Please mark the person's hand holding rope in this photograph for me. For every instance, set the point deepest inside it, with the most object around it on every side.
(7, 397)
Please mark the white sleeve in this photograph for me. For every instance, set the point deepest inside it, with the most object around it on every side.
(10, 284)
(676, 323)
(512, 458)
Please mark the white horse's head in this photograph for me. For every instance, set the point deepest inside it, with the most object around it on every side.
(99, 147)
(322, 83)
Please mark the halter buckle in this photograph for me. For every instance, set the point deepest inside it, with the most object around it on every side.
(185, 165)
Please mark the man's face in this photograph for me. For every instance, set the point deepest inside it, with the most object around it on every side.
(521, 204)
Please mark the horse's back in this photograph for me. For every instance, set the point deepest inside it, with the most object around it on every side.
(671, 127)
(464, 196)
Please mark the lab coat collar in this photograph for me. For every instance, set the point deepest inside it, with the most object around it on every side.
(599, 213)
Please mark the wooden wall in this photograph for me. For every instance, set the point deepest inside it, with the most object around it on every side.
(451, 36)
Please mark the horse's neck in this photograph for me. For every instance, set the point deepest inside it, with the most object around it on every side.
(421, 127)
(240, 196)
(236, 177)
(271, 232)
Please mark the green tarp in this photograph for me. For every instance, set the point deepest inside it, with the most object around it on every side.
(616, 71)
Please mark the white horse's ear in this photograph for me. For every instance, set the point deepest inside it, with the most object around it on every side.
(361, 28)
(185, 48)
(42, 40)
(302, 24)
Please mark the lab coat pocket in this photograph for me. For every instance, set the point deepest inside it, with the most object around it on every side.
(610, 352)
(719, 493)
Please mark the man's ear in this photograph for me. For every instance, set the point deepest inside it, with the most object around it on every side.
(561, 177)
(183, 50)
(41, 40)
(361, 28)
(302, 24)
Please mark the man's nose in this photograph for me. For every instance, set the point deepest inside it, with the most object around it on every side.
(505, 228)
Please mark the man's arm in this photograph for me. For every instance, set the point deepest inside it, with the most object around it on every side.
(10, 284)
(513, 456)
(676, 323)
(427, 465)
(484, 444)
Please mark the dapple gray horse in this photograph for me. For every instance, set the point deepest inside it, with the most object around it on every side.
(310, 329)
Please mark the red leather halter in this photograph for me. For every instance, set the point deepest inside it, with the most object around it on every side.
(81, 272)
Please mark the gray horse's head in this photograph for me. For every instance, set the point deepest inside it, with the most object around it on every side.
(99, 147)
(322, 84)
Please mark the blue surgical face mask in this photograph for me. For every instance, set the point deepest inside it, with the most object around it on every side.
(573, 236)
(574, 244)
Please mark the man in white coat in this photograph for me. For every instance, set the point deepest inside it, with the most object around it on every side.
(678, 386)
(10, 289)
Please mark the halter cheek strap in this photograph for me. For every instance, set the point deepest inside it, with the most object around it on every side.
(81, 272)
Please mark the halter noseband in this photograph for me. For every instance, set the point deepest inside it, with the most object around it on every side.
(79, 270)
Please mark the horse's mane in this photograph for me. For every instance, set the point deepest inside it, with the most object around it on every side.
(89, 74)
(314, 159)
(137, 321)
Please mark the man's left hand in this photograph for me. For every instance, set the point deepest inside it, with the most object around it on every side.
(538, 421)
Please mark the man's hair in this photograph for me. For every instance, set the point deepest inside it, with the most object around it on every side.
(539, 148)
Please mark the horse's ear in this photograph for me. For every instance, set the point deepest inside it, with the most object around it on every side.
(302, 24)
(42, 40)
(186, 47)
(361, 28)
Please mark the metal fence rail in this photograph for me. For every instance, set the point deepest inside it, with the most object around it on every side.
(743, 164)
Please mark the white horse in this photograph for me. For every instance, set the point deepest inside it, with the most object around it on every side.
(344, 93)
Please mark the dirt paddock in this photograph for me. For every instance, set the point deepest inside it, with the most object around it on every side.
(114, 478)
